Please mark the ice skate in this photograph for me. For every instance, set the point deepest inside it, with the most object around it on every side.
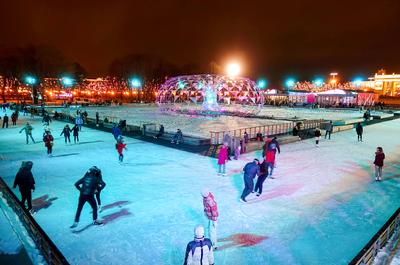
(75, 224)
(97, 222)
(242, 200)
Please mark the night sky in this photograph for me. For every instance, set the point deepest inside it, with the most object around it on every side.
(270, 38)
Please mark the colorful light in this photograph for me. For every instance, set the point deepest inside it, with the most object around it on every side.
(319, 82)
(290, 82)
(67, 81)
(135, 83)
(262, 83)
(358, 81)
(30, 80)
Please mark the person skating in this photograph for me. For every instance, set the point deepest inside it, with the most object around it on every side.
(270, 148)
(251, 169)
(87, 186)
(359, 131)
(67, 133)
(178, 137)
(26, 184)
(100, 186)
(222, 159)
(79, 121)
(261, 178)
(48, 142)
(28, 132)
(199, 251)
(378, 162)
(329, 129)
(97, 119)
(116, 132)
(211, 212)
(5, 121)
(317, 135)
(14, 118)
(120, 147)
(160, 132)
(75, 133)
(46, 119)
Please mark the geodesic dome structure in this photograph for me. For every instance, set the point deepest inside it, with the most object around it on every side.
(207, 87)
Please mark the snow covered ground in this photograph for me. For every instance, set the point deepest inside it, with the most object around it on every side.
(138, 114)
(322, 208)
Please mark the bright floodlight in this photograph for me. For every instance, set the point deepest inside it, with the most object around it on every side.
(290, 82)
(358, 81)
(135, 82)
(30, 80)
(319, 82)
(262, 83)
(233, 69)
(67, 81)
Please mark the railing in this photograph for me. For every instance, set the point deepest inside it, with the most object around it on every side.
(367, 255)
(271, 129)
(47, 248)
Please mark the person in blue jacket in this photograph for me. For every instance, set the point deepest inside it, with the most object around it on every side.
(116, 131)
(200, 250)
(250, 170)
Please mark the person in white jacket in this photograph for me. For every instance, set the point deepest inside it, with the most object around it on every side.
(200, 250)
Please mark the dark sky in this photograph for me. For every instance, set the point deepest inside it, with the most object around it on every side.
(271, 38)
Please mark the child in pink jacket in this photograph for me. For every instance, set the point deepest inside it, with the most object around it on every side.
(222, 159)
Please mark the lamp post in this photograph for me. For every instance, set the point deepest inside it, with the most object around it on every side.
(31, 80)
(136, 84)
(233, 69)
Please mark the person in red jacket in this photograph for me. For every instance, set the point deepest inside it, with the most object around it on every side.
(222, 159)
(211, 212)
(48, 142)
(120, 147)
(378, 162)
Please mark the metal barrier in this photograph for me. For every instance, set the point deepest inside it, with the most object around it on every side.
(367, 255)
(47, 248)
(271, 129)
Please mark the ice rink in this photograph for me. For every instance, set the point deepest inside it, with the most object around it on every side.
(322, 208)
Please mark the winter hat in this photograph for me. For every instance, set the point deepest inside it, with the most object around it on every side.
(205, 192)
(199, 232)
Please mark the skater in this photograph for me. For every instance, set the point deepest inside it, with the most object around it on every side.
(160, 132)
(237, 152)
(75, 131)
(199, 251)
(260, 180)
(378, 162)
(272, 146)
(211, 212)
(26, 184)
(97, 119)
(87, 186)
(28, 132)
(222, 159)
(329, 129)
(251, 169)
(46, 119)
(317, 135)
(120, 147)
(48, 142)
(116, 131)
(178, 137)
(14, 118)
(67, 132)
(79, 121)
(359, 130)
(5, 121)
(100, 186)
(259, 137)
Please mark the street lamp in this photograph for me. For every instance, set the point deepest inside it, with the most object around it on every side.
(262, 83)
(67, 81)
(233, 69)
(136, 84)
(290, 82)
(30, 80)
(319, 82)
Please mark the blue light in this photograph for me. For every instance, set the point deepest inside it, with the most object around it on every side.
(290, 82)
(358, 81)
(67, 81)
(181, 85)
(135, 82)
(30, 80)
(262, 83)
(319, 82)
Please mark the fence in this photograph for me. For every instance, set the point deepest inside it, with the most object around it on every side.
(271, 129)
(367, 255)
(47, 248)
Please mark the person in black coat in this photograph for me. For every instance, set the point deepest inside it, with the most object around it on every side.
(5, 121)
(160, 132)
(359, 130)
(317, 135)
(26, 183)
(75, 131)
(87, 186)
(67, 132)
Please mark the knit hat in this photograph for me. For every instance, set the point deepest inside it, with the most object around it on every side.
(205, 192)
(199, 232)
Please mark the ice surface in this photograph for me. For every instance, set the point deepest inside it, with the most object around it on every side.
(136, 114)
(322, 208)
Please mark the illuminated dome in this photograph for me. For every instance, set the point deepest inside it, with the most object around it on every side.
(209, 90)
